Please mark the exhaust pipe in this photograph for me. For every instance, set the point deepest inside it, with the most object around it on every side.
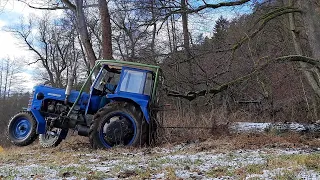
(82, 130)
(68, 89)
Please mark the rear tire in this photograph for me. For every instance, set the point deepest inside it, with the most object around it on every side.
(22, 129)
(118, 123)
(152, 132)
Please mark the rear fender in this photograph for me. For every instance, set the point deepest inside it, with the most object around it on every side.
(41, 123)
(143, 104)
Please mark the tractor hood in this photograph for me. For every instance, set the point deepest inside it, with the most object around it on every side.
(42, 92)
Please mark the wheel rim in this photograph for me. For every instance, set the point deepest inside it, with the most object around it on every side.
(118, 129)
(21, 128)
(48, 137)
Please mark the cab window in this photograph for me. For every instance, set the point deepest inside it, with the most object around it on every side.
(133, 81)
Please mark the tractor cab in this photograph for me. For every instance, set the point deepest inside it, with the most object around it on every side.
(116, 82)
(117, 110)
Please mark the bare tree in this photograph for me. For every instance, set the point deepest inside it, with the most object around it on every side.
(9, 69)
(54, 47)
(106, 30)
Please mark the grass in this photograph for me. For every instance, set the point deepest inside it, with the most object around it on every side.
(143, 173)
(221, 171)
(255, 168)
(70, 160)
(313, 162)
(286, 175)
(310, 161)
(170, 172)
(78, 171)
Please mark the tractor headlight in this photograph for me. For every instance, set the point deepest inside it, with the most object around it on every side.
(40, 96)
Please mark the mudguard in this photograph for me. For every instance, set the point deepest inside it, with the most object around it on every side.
(41, 123)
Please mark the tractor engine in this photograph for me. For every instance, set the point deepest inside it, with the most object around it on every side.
(57, 108)
(55, 114)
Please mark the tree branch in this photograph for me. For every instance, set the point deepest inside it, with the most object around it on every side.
(44, 8)
(68, 4)
(191, 95)
(264, 20)
(215, 6)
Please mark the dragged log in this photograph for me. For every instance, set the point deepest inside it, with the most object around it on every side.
(249, 127)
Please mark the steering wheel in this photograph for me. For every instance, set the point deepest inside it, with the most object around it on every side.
(111, 88)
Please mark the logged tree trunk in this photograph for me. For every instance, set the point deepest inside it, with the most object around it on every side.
(106, 30)
(248, 127)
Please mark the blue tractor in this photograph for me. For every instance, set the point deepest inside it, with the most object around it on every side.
(119, 109)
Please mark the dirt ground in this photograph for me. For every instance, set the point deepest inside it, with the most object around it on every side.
(233, 156)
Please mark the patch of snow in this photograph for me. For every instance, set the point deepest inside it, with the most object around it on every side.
(271, 174)
(158, 176)
(182, 174)
(93, 160)
(102, 168)
(308, 174)
(249, 127)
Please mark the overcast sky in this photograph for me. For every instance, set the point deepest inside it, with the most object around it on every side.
(11, 13)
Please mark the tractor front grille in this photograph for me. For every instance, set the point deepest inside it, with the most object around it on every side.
(30, 100)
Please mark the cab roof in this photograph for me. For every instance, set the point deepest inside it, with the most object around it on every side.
(119, 64)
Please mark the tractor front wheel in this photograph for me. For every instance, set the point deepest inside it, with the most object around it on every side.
(118, 123)
(22, 129)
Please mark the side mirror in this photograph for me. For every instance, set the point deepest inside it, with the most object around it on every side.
(93, 77)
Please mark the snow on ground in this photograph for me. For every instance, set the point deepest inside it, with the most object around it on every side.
(183, 161)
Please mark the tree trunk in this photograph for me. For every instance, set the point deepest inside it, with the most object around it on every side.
(83, 31)
(106, 30)
(186, 43)
(311, 17)
(313, 81)
(154, 30)
(1, 77)
(186, 39)
(6, 79)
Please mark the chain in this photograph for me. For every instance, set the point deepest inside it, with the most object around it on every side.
(181, 127)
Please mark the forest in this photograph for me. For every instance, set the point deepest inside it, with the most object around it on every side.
(223, 61)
